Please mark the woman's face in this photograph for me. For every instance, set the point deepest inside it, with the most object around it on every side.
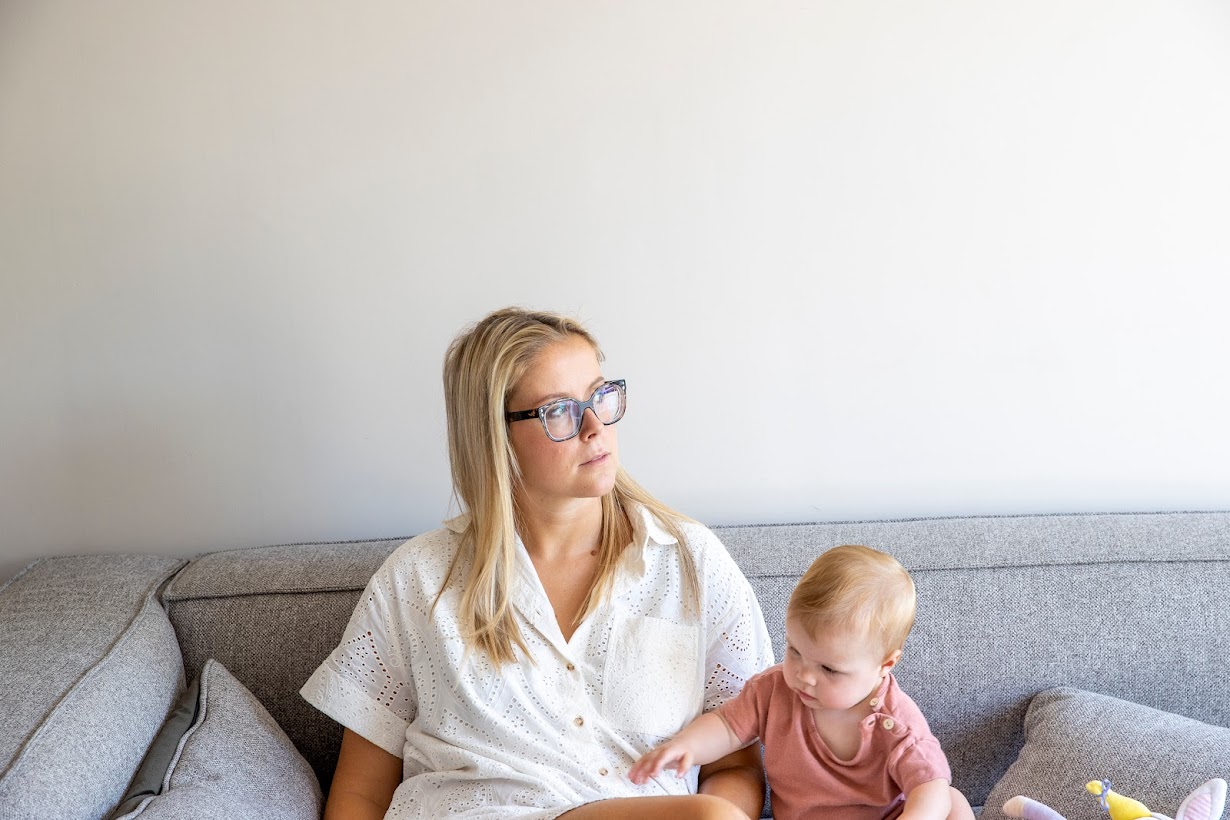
(557, 472)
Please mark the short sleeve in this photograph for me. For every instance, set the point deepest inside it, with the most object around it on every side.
(916, 761)
(745, 712)
(365, 684)
(738, 645)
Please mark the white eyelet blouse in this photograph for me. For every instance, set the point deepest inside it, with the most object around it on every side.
(537, 738)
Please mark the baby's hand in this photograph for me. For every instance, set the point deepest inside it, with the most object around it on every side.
(672, 751)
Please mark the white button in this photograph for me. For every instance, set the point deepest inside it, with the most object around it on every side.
(578, 720)
(603, 772)
(873, 703)
(888, 724)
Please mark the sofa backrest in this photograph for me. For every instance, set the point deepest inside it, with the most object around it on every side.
(270, 615)
(1132, 606)
(1127, 605)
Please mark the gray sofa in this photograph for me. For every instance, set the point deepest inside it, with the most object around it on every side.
(1118, 623)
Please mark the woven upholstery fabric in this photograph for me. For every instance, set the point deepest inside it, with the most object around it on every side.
(271, 615)
(988, 541)
(233, 761)
(1130, 605)
(1073, 736)
(90, 668)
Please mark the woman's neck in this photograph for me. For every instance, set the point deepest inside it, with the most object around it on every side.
(563, 531)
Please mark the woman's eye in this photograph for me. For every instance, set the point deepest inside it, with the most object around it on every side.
(555, 411)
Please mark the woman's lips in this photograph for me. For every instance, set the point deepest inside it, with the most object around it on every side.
(596, 460)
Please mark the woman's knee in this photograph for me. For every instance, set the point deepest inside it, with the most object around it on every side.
(709, 807)
(960, 806)
(690, 807)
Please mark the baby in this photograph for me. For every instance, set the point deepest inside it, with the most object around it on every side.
(841, 739)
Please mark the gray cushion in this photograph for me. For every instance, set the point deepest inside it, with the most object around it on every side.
(233, 761)
(1072, 737)
(151, 775)
(91, 667)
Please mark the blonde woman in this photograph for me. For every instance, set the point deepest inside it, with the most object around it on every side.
(517, 662)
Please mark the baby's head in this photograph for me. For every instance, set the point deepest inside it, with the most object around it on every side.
(856, 591)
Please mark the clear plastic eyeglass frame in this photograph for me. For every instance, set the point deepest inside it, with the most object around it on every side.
(575, 409)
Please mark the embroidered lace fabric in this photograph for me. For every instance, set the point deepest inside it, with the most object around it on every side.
(533, 740)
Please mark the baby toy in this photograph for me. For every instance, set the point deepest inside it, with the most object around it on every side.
(1205, 803)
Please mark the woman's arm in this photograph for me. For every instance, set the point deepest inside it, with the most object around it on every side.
(738, 777)
(364, 781)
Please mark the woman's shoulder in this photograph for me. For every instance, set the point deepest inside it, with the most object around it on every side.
(423, 561)
(707, 547)
(709, 555)
(656, 527)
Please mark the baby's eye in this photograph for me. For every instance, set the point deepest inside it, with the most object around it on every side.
(828, 670)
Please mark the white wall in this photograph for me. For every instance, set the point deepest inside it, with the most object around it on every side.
(949, 257)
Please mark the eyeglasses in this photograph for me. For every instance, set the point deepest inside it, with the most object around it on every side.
(561, 419)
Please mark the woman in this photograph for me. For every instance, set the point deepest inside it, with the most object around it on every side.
(517, 662)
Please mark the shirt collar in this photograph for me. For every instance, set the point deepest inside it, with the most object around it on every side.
(645, 527)
(458, 523)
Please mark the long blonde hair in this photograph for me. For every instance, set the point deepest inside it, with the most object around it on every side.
(481, 369)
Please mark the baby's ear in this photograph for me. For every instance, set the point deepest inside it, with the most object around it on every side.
(890, 661)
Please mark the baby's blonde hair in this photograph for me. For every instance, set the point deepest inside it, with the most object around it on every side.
(857, 588)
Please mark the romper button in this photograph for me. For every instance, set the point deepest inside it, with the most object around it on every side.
(888, 724)
(578, 720)
(603, 772)
(874, 702)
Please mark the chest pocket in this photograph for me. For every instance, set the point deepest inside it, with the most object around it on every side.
(651, 680)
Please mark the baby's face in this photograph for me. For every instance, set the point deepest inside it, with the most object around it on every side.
(834, 669)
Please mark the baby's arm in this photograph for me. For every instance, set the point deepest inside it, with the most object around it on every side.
(702, 741)
(928, 801)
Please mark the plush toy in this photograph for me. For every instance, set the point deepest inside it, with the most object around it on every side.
(1206, 803)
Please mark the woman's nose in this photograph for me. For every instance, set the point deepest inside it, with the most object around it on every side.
(590, 424)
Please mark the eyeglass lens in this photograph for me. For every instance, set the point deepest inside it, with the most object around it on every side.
(562, 419)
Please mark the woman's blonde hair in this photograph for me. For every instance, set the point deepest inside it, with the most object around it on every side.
(857, 588)
(482, 367)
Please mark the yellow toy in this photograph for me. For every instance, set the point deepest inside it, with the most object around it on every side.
(1119, 807)
(1206, 803)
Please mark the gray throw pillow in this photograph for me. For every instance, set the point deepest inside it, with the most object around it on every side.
(232, 761)
(1073, 737)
